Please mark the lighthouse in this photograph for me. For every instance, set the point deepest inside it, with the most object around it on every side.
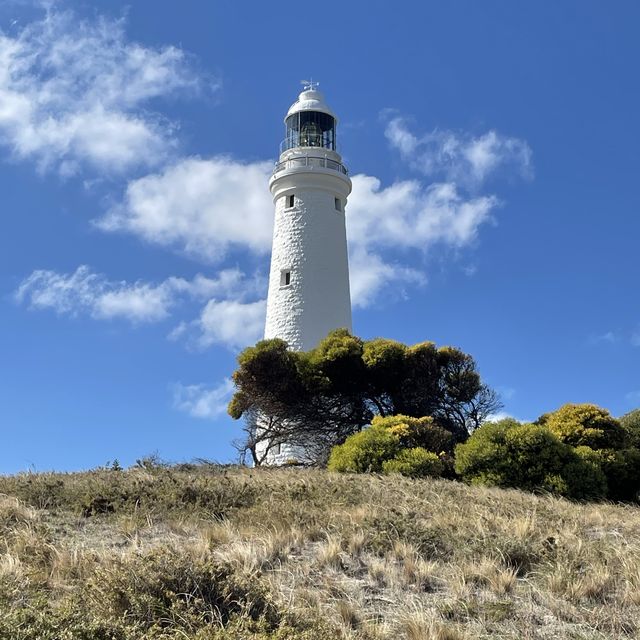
(309, 275)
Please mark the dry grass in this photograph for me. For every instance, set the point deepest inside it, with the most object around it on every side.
(201, 552)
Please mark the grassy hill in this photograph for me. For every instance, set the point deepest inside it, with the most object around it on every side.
(205, 552)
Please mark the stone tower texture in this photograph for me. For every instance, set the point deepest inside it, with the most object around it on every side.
(309, 276)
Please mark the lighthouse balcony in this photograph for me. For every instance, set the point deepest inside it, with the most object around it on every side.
(310, 162)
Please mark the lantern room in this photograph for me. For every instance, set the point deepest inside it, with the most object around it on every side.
(310, 122)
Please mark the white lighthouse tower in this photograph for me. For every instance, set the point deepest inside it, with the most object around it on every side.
(309, 277)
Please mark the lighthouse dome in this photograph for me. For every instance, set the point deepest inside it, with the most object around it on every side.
(310, 100)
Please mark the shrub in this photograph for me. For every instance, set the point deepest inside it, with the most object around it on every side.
(365, 451)
(418, 432)
(585, 425)
(369, 449)
(414, 463)
(584, 478)
(621, 469)
(630, 422)
(527, 456)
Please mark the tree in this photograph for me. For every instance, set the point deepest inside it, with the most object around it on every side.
(316, 399)
(424, 380)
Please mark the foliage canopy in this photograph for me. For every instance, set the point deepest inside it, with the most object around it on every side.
(317, 398)
(585, 425)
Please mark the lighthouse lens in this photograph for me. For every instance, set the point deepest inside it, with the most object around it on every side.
(311, 129)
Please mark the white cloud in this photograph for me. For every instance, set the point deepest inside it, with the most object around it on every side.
(207, 207)
(204, 207)
(502, 415)
(231, 322)
(458, 156)
(200, 401)
(405, 216)
(369, 274)
(85, 292)
(635, 338)
(74, 92)
(408, 214)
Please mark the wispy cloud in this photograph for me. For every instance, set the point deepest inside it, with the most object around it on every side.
(459, 156)
(633, 397)
(225, 319)
(76, 93)
(609, 337)
(506, 393)
(401, 219)
(370, 274)
(201, 401)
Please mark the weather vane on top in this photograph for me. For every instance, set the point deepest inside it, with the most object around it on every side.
(309, 85)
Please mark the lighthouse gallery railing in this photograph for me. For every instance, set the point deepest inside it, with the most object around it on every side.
(310, 161)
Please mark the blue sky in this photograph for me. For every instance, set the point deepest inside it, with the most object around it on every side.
(493, 150)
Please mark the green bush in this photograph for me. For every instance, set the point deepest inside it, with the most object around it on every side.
(385, 439)
(603, 441)
(621, 469)
(585, 425)
(365, 451)
(418, 432)
(527, 456)
(584, 478)
(415, 463)
(630, 422)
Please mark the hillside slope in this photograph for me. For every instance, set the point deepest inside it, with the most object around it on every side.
(205, 552)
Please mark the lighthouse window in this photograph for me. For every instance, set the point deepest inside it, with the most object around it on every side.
(285, 277)
(310, 129)
(338, 204)
(290, 201)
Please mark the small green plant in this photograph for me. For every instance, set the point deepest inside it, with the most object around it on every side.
(113, 465)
